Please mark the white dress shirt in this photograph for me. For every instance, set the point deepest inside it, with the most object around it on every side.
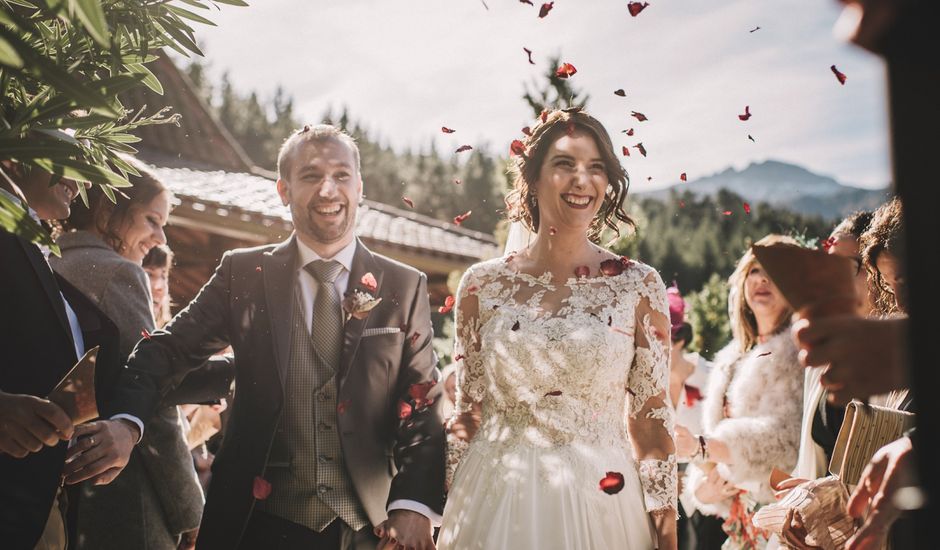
(308, 286)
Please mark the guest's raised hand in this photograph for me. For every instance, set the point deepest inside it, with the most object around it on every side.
(890, 469)
(405, 530)
(715, 488)
(100, 452)
(28, 423)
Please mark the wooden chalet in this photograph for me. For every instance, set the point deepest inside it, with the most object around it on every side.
(223, 201)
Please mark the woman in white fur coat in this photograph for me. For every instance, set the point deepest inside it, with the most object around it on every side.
(752, 409)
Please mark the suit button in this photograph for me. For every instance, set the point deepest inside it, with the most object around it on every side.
(324, 396)
(323, 489)
(324, 427)
(323, 459)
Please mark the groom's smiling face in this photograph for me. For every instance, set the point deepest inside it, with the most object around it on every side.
(323, 189)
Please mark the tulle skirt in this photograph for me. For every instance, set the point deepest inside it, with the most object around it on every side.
(534, 498)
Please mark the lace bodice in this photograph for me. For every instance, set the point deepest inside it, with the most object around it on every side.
(551, 364)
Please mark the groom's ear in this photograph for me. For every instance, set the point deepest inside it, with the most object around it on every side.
(283, 191)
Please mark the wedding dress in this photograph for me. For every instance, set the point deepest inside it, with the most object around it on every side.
(559, 371)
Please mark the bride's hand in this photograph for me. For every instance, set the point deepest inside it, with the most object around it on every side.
(464, 426)
(714, 488)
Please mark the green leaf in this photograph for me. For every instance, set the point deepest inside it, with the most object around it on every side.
(195, 4)
(150, 80)
(15, 219)
(8, 55)
(241, 3)
(181, 37)
(81, 171)
(22, 3)
(124, 166)
(91, 15)
(186, 14)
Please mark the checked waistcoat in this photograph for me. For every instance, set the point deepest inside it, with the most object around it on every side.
(315, 488)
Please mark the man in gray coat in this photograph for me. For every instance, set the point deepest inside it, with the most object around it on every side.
(334, 433)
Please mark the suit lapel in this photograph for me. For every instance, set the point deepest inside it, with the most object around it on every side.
(47, 278)
(363, 263)
(278, 272)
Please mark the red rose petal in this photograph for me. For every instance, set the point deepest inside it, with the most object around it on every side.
(515, 326)
(839, 75)
(566, 70)
(463, 148)
(553, 393)
(419, 392)
(639, 116)
(827, 244)
(612, 483)
(517, 148)
(368, 281)
(747, 208)
(692, 394)
(260, 488)
(527, 131)
(145, 334)
(765, 354)
(462, 217)
(683, 177)
(747, 113)
(613, 267)
(447, 130)
(448, 305)
(408, 201)
(640, 148)
(649, 178)
(544, 115)
(529, 2)
(582, 271)
(528, 52)
(636, 7)
(414, 338)
(626, 151)
(341, 406)
(620, 92)
(547, 7)
(681, 204)
(628, 132)
(727, 212)
(456, 181)
(258, 269)
(459, 357)
(473, 289)
(404, 410)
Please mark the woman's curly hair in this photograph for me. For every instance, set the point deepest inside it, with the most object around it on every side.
(520, 203)
(884, 234)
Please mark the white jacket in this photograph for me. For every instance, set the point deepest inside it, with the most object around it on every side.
(765, 398)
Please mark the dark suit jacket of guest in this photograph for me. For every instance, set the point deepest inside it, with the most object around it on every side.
(248, 303)
(37, 351)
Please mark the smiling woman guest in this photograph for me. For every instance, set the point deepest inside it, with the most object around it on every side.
(157, 497)
(752, 409)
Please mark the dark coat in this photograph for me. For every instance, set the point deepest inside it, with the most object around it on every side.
(37, 348)
(247, 303)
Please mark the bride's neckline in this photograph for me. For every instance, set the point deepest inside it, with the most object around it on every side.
(547, 279)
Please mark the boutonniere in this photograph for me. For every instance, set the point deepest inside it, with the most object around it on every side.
(359, 302)
(692, 394)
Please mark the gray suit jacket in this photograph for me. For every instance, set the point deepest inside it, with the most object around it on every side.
(247, 303)
(157, 496)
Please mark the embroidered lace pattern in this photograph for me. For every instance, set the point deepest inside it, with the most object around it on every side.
(564, 365)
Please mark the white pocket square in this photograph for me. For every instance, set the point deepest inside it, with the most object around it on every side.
(380, 330)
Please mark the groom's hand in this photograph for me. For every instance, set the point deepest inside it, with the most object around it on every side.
(406, 530)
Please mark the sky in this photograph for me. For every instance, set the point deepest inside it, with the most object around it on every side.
(404, 69)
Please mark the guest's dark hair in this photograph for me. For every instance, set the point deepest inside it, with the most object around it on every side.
(885, 234)
(854, 224)
(520, 203)
(107, 217)
(683, 334)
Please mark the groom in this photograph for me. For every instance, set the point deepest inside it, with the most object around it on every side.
(315, 454)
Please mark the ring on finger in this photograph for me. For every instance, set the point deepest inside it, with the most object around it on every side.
(91, 440)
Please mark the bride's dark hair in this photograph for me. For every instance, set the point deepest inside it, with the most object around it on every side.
(520, 203)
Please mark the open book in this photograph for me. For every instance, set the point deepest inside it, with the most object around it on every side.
(75, 393)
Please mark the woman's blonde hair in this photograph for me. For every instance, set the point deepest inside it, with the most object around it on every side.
(743, 321)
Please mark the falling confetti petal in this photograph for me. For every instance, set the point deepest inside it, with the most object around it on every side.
(640, 148)
(639, 116)
(448, 305)
(553, 393)
(683, 177)
(636, 7)
(754, 29)
(765, 354)
(751, 138)
(517, 148)
(260, 488)
(727, 213)
(529, 2)
(552, 230)
(456, 182)
(528, 52)
(515, 326)
(258, 269)
(414, 338)
(614, 267)
(566, 70)
(544, 115)
(463, 148)
(827, 244)
(460, 219)
(409, 202)
(582, 271)
(747, 208)
(547, 7)
(621, 93)
(145, 334)
(612, 483)
(527, 131)
(747, 113)
(626, 151)
(342, 405)
(628, 132)
(839, 75)
(447, 130)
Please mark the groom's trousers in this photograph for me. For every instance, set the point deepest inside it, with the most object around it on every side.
(269, 532)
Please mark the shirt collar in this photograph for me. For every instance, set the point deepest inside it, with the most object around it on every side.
(344, 256)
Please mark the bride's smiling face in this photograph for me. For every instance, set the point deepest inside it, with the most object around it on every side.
(572, 183)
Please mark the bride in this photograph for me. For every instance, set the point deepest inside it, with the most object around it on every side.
(562, 352)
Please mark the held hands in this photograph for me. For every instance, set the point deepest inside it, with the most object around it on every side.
(28, 423)
(715, 488)
(100, 452)
(405, 530)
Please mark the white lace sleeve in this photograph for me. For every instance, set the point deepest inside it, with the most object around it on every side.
(651, 420)
(471, 386)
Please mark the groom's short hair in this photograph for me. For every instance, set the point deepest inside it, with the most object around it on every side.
(319, 132)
